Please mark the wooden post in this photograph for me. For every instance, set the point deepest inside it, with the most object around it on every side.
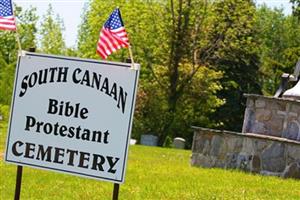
(18, 182)
(116, 191)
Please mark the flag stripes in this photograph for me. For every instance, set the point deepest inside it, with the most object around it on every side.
(7, 23)
(112, 36)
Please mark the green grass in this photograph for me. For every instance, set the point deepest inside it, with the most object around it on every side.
(152, 173)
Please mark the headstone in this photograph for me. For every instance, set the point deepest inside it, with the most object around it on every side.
(149, 140)
(179, 143)
(132, 141)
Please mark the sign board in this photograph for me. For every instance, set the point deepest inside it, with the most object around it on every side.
(72, 115)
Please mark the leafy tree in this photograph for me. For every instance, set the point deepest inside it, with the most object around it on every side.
(9, 49)
(280, 41)
(52, 41)
(296, 8)
(27, 27)
(83, 32)
(236, 55)
(195, 106)
(166, 38)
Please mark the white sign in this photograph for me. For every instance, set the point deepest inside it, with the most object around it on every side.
(72, 115)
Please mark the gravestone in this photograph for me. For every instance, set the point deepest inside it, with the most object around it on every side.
(132, 141)
(179, 143)
(149, 140)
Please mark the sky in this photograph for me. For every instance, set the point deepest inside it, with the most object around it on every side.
(70, 11)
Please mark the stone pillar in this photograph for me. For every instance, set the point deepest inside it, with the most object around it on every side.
(272, 116)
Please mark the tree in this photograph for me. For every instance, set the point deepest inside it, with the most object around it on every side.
(280, 41)
(84, 32)
(296, 8)
(51, 32)
(237, 56)
(194, 108)
(166, 37)
(27, 27)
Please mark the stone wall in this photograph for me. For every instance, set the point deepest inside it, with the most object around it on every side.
(272, 116)
(250, 152)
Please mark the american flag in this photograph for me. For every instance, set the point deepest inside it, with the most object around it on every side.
(112, 35)
(7, 19)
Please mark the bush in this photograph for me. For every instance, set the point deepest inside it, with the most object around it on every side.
(168, 142)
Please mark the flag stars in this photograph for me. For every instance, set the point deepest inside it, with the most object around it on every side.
(7, 20)
(5, 8)
(114, 21)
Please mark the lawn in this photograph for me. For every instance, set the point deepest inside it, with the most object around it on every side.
(152, 173)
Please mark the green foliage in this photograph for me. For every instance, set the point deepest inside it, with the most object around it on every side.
(26, 27)
(280, 41)
(236, 55)
(168, 142)
(8, 51)
(296, 8)
(6, 82)
(52, 41)
(152, 109)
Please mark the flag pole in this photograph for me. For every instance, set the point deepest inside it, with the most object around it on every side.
(17, 33)
(131, 57)
(18, 40)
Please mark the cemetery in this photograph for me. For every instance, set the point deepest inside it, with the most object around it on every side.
(150, 100)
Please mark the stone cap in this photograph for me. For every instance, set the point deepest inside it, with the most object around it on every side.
(179, 139)
(251, 135)
(270, 97)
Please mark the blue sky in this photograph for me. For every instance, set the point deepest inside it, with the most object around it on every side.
(70, 11)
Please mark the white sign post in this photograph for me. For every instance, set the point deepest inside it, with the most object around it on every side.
(72, 115)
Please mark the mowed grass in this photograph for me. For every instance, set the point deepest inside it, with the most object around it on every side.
(152, 173)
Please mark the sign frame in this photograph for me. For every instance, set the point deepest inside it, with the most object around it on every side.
(125, 158)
